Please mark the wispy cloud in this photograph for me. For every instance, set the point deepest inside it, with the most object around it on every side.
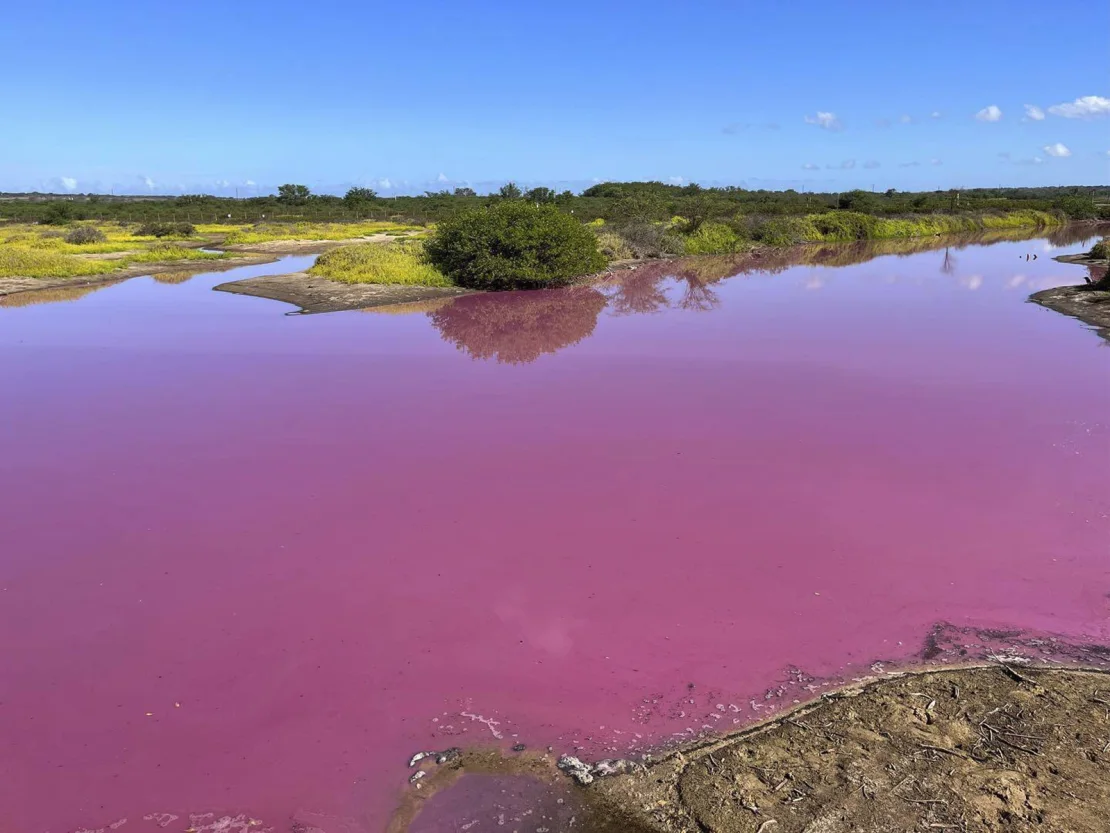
(809, 166)
(991, 113)
(1033, 113)
(1086, 107)
(69, 183)
(442, 178)
(905, 118)
(1059, 150)
(936, 114)
(882, 122)
(1031, 160)
(909, 164)
(846, 165)
(936, 162)
(676, 180)
(871, 164)
(826, 121)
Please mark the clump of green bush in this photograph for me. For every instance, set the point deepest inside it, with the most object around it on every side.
(513, 245)
(613, 246)
(1101, 249)
(713, 239)
(84, 235)
(647, 240)
(165, 230)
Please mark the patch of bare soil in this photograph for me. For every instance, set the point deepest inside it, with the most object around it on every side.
(316, 294)
(10, 286)
(996, 748)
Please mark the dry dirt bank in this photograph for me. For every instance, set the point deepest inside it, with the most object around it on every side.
(315, 294)
(1088, 302)
(994, 748)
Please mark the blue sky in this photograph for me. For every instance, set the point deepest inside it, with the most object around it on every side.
(224, 97)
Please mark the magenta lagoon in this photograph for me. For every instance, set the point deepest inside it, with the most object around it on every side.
(250, 562)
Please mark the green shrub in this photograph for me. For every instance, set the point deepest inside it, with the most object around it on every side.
(165, 230)
(712, 239)
(513, 245)
(613, 246)
(84, 235)
(388, 263)
(651, 240)
(1101, 249)
(57, 214)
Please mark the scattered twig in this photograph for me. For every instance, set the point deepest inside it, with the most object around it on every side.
(766, 824)
(954, 752)
(1014, 675)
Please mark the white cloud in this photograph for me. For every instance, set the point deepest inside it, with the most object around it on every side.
(909, 164)
(222, 183)
(1085, 107)
(906, 118)
(147, 181)
(442, 178)
(676, 180)
(1035, 160)
(809, 166)
(935, 162)
(935, 114)
(1059, 150)
(972, 282)
(991, 113)
(1033, 113)
(826, 121)
(384, 183)
(871, 164)
(250, 183)
(69, 183)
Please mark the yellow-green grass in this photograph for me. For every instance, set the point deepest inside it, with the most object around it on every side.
(268, 232)
(386, 263)
(17, 261)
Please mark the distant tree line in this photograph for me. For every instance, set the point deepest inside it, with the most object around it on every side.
(609, 201)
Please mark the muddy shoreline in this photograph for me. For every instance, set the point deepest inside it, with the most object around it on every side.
(313, 294)
(1087, 302)
(11, 286)
(972, 748)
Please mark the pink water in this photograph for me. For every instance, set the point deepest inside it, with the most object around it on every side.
(249, 562)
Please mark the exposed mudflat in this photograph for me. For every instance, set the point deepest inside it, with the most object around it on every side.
(976, 749)
(315, 294)
(1091, 306)
(1088, 302)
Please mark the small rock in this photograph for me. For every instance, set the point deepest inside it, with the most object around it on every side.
(614, 766)
(416, 776)
(576, 769)
(448, 755)
(519, 747)
(419, 756)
